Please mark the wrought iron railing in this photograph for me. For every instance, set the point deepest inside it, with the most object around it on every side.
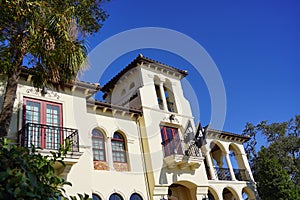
(241, 174)
(177, 146)
(223, 173)
(48, 137)
(193, 150)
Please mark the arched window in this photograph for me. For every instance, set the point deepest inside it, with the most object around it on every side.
(96, 197)
(123, 92)
(118, 148)
(136, 196)
(98, 145)
(170, 98)
(131, 85)
(115, 196)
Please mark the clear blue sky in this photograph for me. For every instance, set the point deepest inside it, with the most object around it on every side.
(255, 45)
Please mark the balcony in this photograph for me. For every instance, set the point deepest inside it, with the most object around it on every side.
(48, 137)
(223, 174)
(175, 155)
(241, 174)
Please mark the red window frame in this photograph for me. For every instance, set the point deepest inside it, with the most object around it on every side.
(42, 132)
(171, 141)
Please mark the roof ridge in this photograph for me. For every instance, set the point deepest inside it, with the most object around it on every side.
(110, 84)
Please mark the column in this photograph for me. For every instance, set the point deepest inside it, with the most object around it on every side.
(163, 96)
(109, 154)
(211, 167)
(230, 166)
(247, 166)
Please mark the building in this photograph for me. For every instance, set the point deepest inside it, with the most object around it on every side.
(137, 144)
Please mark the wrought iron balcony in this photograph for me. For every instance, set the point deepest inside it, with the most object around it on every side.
(241, 174)
(223, 174)
(176, 155)
(48, 137)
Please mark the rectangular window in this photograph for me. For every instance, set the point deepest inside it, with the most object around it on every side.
(170, 140)
(47, 122)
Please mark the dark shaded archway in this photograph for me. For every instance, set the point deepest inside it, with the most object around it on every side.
(182, 190)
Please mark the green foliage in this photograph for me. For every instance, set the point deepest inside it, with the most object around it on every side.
(46, 33)
(276, 167)
(47, 36)
(273, 180)
(26, 174)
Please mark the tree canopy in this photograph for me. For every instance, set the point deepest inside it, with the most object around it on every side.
(27, 174)
(276, 166)
(49, 36)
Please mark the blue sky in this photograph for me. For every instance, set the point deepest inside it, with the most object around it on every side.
(255, 45)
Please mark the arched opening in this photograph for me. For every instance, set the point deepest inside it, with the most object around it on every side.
(132, 85)
(123, 92)
(118, 148)
(119, 152)
(248, 194)
(229, 194)
(115, 196)
(99, 150)
(158, 92)
(212, 195)
(96, 197)
(237, 163)
(169, 95)
(98, 142)
(182, 190)
(219, 161)
(136, 196)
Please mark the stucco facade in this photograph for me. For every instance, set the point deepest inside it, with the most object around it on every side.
(133, 144)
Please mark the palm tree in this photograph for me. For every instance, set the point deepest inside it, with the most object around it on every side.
(48, 35)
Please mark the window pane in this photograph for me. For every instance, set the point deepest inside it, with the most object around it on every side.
(171, 141)
(115, 196)
(118, 136)
(98, 133)
(98, 145)
(52, 115)
(96, 197)
(135, 196)
(45, 113)
(32, 115)
(32, 112)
